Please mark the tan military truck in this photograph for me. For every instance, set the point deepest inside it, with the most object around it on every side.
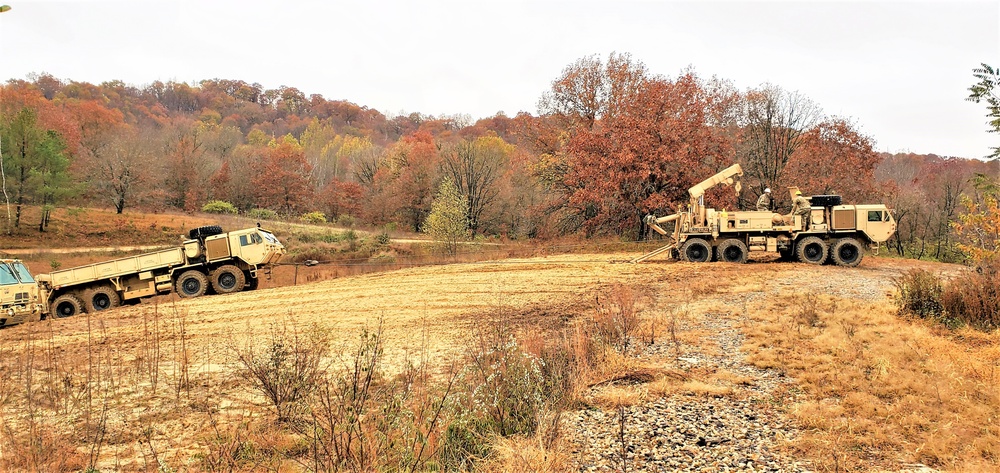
(19, 298)
(834, 233)
(211, 260)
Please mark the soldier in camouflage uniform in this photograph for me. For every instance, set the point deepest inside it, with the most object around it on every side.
(802, 208)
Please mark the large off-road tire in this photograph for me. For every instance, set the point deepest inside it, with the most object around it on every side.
(100, 298)
(696, 250)
(252, 282)
(227, 279)
(66, 305)
(847, 252)
(732, 251)
(191, 283)
(206, 231)
(812, 250)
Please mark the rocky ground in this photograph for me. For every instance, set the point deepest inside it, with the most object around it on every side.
(738, 431)
(741, 428)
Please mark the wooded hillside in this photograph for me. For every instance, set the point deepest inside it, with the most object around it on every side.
(611, 142)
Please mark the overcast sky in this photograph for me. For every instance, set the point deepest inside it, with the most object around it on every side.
(899, 70)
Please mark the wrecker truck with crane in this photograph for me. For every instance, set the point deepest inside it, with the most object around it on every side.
(210, 260)
(835, 233)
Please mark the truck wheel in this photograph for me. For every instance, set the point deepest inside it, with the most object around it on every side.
(811, 250)
(846, 252)
(192, 283)
(227, 279)
(100, 298)
(66, 305)
(732, 251)
(696, 250)
(206, 231)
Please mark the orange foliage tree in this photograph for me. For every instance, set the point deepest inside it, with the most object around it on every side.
(833, 158)
(281, 177)
(644, 156)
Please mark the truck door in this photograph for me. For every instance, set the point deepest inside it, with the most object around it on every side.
(879, 224)
(251, 247)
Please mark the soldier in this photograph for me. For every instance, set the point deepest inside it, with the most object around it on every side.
(802, 208)
(764, 202)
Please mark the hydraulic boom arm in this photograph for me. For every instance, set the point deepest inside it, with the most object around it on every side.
(724, 177)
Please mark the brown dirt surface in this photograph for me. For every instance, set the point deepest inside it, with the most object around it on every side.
(429, 310)
(443, 300)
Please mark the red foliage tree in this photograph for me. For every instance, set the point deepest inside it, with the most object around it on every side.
(281, 178)
(645, 156)
(342, 198)
(833, 158)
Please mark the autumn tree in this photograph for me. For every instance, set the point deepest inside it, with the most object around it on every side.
(121, 170)
(591, 89)
(978, 226)
(281, 177)
(320, 143)
(773, 124)
(447, 222)
(645, 157)
(833, 158)
(474, 168)
(233, 181)
(415, 161)
(341, 198)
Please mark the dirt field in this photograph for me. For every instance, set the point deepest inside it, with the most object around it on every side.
(425, 310)
(443, 300)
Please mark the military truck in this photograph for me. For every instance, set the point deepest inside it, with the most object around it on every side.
(833, 232)
(19, 299)
(211, 260)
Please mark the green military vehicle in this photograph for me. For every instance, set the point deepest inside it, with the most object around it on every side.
(211, 260)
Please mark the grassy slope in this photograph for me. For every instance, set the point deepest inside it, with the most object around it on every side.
(872, 390)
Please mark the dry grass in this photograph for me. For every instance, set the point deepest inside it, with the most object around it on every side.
(878, 390)
(527, 454)
(150, 387)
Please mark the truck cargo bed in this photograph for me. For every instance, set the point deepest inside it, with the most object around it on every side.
(118, 267)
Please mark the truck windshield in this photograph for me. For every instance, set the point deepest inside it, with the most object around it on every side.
(269, 237)
(7, 276)
(22, 273)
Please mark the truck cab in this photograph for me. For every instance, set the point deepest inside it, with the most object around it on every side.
(19, 299)
(254, 246)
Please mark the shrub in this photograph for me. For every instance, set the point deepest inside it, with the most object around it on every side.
(617, 320)
(313, 217)
(262, 214)
(218, 207)
(919, 294)
(285, 368)
(345, 220)
(364, 420)
(974, 298)
(504, 396)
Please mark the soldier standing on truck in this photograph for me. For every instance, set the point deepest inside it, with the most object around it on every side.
(764, 202)
(802, 208)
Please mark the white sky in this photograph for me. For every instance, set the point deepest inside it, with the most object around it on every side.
(900, 70)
